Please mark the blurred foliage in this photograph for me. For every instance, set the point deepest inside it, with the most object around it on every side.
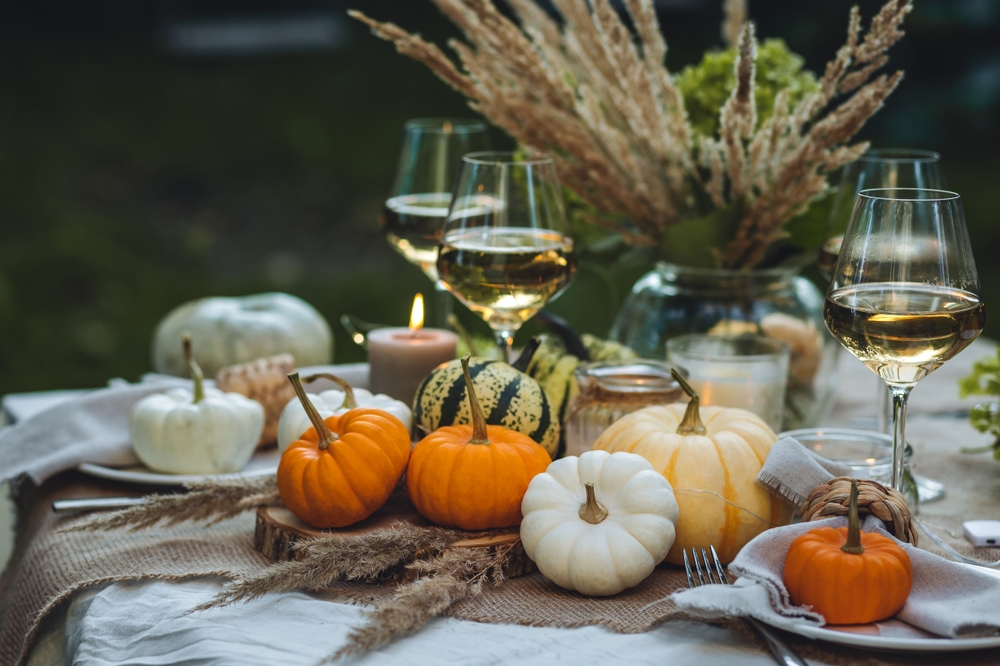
(985, 380)
(707, 85)
(133, 179)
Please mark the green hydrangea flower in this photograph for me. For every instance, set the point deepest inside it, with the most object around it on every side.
(707, 85)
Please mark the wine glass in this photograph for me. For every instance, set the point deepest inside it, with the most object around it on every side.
(421, 193)
(905, 297)
(505, 246)
(876, 168)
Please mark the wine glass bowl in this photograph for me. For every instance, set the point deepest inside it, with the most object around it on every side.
(505, 246)
(876, 168)
(429, 160)
(904, 297)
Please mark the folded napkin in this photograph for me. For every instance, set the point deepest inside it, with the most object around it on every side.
(92, 428)
(947, 599)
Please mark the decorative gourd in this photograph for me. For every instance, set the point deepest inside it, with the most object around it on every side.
(343, 468)
(712, 467)
(229, 331)
(600, 523)
(294, 421)
(473, 476)
(554, 368)
(509, 398)
(204, 431)
(846, 575)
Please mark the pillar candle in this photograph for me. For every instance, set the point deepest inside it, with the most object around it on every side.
(400, 358)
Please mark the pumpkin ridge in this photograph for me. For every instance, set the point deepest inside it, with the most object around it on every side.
(502, 405)
(350, 482)
(366, 448)
(545, 418)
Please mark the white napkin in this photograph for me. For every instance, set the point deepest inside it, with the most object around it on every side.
(92, 428)
(947, 599)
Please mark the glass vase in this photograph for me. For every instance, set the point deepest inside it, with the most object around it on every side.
(674, 300)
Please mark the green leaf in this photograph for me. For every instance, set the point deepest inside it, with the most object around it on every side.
(691, 243)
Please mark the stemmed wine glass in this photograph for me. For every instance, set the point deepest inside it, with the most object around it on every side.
(428, 162)
(905, 296)
(505, 246)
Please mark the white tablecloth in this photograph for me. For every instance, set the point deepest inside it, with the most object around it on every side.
(146, 622)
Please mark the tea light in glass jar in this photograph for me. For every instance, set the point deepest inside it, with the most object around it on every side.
(400, 358)
(745, 371)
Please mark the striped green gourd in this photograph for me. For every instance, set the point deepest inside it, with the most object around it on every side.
(509, 398)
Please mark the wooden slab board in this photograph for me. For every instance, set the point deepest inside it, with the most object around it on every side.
(278, 529)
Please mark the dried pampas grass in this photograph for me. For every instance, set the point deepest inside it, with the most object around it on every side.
(597, 96)
(211, 501)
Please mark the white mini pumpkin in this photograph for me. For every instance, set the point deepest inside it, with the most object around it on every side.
(600, 523)
(294, 421)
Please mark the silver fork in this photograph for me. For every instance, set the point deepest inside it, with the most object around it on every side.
(781, 651)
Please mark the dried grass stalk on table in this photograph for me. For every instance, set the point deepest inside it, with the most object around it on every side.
(211, 501)
(600, 99)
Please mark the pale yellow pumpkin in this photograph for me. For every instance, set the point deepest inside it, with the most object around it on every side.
(715, 449)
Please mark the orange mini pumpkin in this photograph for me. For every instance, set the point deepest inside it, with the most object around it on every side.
(473, 477)
(846, 575)
(344, 468)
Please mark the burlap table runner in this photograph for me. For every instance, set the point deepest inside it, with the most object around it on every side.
(48, 567)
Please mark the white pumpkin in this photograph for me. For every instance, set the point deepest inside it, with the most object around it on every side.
(600, 523)
(216, 435)
(294, 421)
(229, 331)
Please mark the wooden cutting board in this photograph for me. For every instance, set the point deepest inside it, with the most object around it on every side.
(278, 529)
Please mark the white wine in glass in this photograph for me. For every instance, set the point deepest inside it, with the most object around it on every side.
(904, 296)
(505, 249)
(428, 163)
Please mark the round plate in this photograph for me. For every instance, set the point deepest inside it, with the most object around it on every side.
(866, 636)
(264, 463)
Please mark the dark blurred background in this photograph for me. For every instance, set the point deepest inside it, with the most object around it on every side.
(155, 152)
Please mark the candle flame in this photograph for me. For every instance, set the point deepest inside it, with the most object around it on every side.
(417, 313)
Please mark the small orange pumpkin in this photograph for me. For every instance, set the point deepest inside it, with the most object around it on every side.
(846, 575)
(344, 468)
(473, 477)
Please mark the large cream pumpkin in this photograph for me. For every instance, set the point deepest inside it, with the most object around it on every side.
(714, 449)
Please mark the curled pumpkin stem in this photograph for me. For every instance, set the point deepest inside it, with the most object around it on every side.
(691, 423)
(479, 434)
(592, 511)
(349, 400)
(326, 436)
(853, 544)
(196, 374)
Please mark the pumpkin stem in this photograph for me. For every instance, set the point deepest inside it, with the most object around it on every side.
(478, 420)
(592, 511)
(326, 436)
(349, 401)
(853, 544)
(196, 374)
(527, 354)
(691, 423)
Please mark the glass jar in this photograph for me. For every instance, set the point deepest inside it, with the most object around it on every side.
(867, 453)
(611, 389)
(777, 303)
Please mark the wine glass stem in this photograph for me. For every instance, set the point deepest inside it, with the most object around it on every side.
(505, 340)
(444, 305)
(899, 396)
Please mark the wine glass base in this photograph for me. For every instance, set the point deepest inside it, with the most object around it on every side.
(928, 490)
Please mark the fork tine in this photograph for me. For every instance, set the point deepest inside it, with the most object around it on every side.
(697, 566)
(723, 578)
(687, 570)
(709, 574)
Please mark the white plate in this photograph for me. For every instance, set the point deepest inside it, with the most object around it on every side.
(263, 463)
(866, 636)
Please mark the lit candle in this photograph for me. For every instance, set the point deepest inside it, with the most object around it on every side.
(400, 358)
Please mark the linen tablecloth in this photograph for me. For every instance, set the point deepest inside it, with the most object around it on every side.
(144, 622)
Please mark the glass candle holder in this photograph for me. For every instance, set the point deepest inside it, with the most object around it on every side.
(611, 389)
(745, 371)
(867, 453)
